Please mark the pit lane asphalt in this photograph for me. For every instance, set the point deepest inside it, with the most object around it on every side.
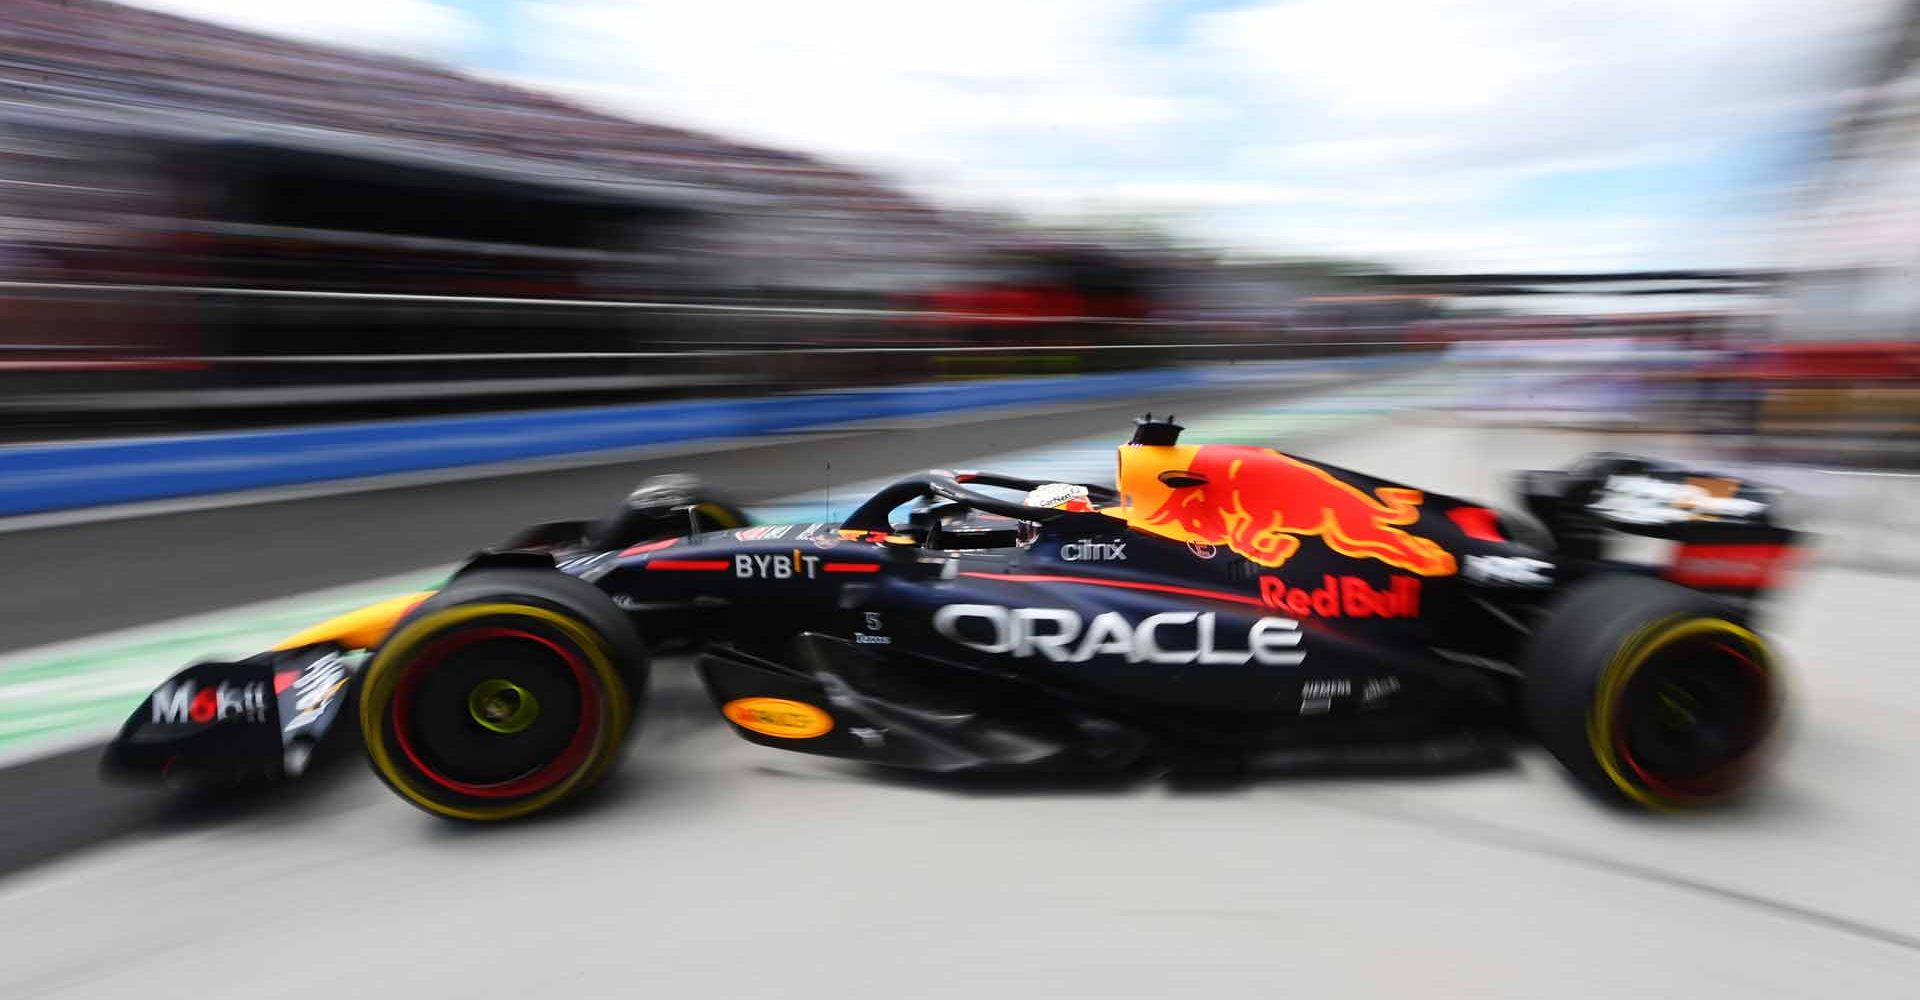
(709, 867)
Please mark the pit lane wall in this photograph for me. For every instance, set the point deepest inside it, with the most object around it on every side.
(43, 478)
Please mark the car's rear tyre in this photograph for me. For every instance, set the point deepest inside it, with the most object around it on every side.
(507, 693)
(1651, 694)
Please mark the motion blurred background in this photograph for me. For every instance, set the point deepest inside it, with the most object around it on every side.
(250, 246)
(216, 213)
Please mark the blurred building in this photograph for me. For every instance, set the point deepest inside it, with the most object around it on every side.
(200, 224)
(141, 147)
(1856, 241)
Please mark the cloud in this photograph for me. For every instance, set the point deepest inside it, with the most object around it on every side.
(1464, 84)
(1405, 128)
(908, 84)
(1432, 132)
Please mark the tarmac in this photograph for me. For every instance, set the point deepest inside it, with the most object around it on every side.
(711, 867)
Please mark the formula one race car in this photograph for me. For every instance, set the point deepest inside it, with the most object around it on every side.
(1223, 603)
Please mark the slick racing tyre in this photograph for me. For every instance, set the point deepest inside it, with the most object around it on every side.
(506, 693)
(664, 507)
(1651, 694)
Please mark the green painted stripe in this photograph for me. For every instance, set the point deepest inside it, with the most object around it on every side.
(92, 684)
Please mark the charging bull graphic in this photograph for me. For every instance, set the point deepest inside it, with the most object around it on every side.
(1259, 502)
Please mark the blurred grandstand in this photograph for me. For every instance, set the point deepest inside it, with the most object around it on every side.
(220, 144)
(266, 223)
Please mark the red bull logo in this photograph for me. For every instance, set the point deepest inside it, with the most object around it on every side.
(1344, 597)
(1260, 503)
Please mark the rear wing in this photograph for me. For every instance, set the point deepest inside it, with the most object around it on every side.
(1726, 532)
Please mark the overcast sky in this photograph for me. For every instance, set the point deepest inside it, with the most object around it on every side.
(1436, 134)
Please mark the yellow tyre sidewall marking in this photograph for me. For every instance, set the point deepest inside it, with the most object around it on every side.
(383, 675)
(1632, 655)
(719, 515)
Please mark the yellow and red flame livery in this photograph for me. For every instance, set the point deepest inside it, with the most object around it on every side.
(1259, 503)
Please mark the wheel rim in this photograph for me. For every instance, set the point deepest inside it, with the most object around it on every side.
(495, 712)
(1686, 723)
(501, 706)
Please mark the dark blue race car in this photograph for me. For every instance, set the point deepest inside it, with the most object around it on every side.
(1217, 606)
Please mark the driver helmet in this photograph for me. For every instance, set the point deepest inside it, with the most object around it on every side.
(1058, 496)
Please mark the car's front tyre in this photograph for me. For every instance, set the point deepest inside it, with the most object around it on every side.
(505, 694)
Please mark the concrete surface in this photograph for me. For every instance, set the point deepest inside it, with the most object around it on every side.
(712, 868)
